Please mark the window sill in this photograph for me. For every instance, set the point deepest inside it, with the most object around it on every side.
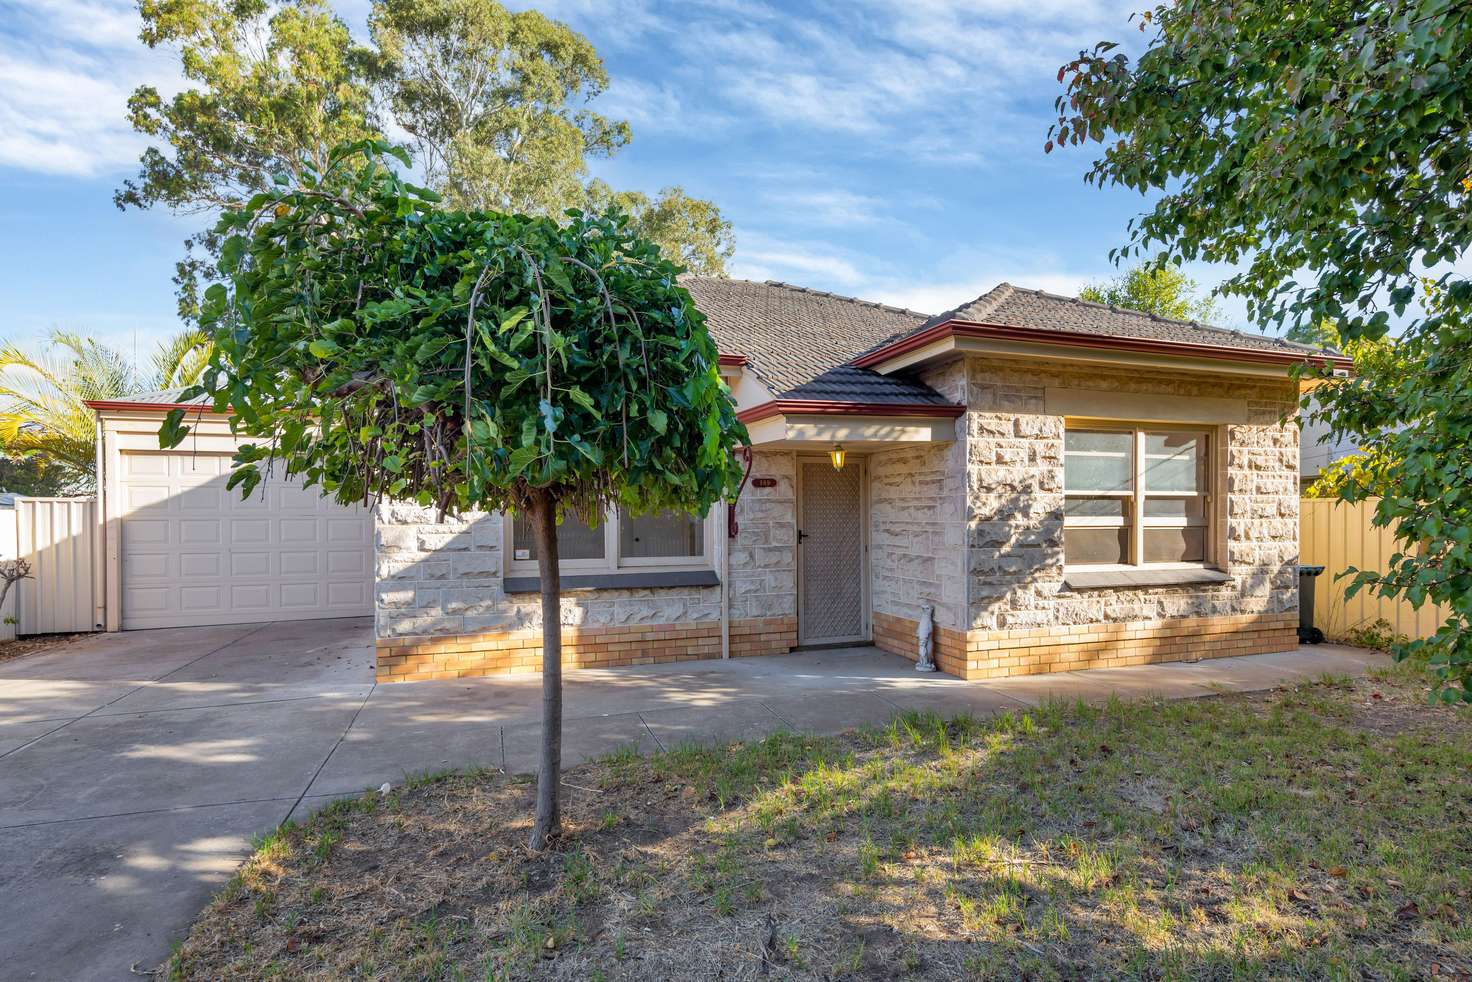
(1105, 579)
(631, 580)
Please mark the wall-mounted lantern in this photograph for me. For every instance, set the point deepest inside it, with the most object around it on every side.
(837, 455)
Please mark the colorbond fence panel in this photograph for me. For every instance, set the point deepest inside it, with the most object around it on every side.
(1337, 535)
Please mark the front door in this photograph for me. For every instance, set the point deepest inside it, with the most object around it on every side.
(831, 576)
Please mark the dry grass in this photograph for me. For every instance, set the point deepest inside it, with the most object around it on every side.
(1320, 831)
(33, 644)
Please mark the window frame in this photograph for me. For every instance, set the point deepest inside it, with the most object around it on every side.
(612, 563)
(1134, 499)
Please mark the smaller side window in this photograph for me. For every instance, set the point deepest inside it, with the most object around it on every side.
(667, 535)
(663, 539)
(575, 540)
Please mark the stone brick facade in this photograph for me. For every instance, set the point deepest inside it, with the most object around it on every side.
(917, 523)
(442, 609)
(1015, 500)
(973, 527)
(1020, 617)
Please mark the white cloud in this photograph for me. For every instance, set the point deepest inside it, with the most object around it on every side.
(658, 107)
(795, 266)
(65, 76)
(935, 296)
(962, 275)
(834, 207)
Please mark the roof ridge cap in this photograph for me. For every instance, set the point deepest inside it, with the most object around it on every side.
(840, 296)
(1192, 322)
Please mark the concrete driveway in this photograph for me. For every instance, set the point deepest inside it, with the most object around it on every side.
(136, 767)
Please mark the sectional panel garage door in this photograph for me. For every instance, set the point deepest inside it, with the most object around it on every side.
(194, 553)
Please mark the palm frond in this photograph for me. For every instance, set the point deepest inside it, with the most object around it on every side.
(181, 360)
(42, 396)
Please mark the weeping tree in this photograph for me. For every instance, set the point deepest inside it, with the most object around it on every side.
(378, 346)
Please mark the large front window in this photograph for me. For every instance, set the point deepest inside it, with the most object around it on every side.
(667, 539)
(1136, 496)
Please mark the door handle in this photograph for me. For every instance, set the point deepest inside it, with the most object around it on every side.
(800, 536)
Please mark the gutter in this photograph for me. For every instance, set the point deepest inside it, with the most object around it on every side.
(125, 405)
(833, 407)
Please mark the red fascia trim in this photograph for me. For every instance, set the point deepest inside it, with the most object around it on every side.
(123, 405)
(829, 407)
(734, 361)
(1218, 352)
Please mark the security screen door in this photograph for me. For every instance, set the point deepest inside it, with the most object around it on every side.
(831, 574)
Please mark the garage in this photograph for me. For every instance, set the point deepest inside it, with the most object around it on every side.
(183, 551)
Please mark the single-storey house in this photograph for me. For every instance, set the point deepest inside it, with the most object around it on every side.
(1056, 483)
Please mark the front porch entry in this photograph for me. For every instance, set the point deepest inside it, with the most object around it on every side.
(833, 552)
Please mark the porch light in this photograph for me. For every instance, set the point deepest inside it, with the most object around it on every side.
(837, 455)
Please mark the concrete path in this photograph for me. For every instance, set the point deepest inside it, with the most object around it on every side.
(136, 767)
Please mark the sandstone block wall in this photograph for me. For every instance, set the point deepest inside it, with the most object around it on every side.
(764, 553)
(1015, 500)
(917, 523)
(441, 602)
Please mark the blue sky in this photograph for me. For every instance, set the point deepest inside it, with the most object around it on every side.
(888, 149)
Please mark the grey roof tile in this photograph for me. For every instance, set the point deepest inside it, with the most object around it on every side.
(791, 335)
(846, 383)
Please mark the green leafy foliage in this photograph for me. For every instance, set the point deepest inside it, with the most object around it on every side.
(342, 349)
(1161, 290)
(496, 104)
(499, 117)
(272, 88)
(689, 231)
(1324, 149)
(33, 476)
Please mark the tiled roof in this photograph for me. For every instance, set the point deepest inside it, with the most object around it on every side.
(849, 384)
(792, 335)
(1014, 306)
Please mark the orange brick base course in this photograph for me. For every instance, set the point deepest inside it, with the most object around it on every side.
(503, 652)
(1072, 647)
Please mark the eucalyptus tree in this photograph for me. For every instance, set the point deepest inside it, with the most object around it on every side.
(495, 103)
(1324, 148)
(378, 346)
(1163, 290)
(270, 89)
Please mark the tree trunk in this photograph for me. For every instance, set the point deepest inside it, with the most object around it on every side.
(543, 513)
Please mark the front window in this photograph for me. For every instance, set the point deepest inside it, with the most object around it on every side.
(670, 539)
(1135, 496)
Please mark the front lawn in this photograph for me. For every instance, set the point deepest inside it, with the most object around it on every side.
(1316, 831)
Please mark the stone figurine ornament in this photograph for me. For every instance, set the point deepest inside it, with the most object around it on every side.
(925, 632)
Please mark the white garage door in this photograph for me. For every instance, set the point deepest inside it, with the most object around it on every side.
(194, 553)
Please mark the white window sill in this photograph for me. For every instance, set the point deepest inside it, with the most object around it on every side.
(1093, 578)
(631, 579)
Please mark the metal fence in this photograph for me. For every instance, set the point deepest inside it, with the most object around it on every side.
(1337, 535)
(59, 537)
